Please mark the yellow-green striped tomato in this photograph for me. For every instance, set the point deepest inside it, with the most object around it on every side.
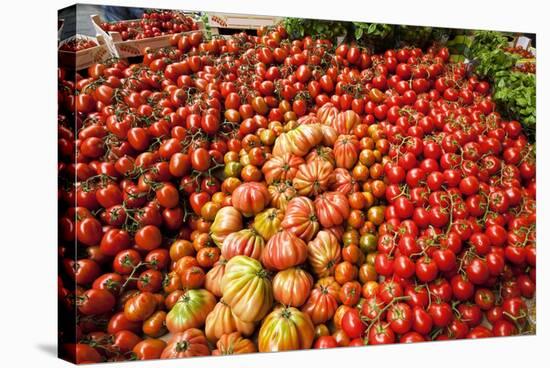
(268, 222)
(286, 329)
(246, 288)
(190, 311)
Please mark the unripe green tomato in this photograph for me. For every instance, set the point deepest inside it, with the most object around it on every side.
(368, 243)
(232, 169)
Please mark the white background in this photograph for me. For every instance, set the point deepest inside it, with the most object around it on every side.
(28, 180)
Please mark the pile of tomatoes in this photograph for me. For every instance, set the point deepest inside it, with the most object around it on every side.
(77, 44)
(518, 50)
(526, 68)
(253, 193)
(152, 24)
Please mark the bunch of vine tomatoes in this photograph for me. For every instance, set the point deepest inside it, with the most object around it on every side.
(254, 193)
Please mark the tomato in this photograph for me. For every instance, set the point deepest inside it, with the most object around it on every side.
(441, 313)
(498, 201)
(82, 353)
(109, 281)
(96, 301)
(148, 237)
(411, 337)
(479, 332)
(119, 322)
(138, 138)
(422, 321)
(390, 290)
(125, 341)
(426, 269)
(381, 334)
(442, 289)
(200, 159)
(515, 310)
(463, 289)
(250, 198)
(395, 174)
(327, 84)
(255, 282)
(114, 241)
(527, 286)
(352, 324)
(89, 231)
(192, 277)
(350, 292)
(404, 207)
(84, 103)
(403, 266)
(400, 318)
(445, 259)
(83, 271)
(504, 328)
(470, 314)
(150, 280)
(325, 342)
(167, 196)
(189, 343)
(297, 326)
(140, 307)
(469, 185)
(322, 303)
(384, 265)
(303, 73)
(332, 209)
(149, 349)
(477, 271)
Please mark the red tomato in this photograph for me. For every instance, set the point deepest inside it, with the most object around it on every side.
(325, 342)
(352, 324)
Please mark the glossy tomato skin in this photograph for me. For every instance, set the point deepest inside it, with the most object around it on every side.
(400, 317)
(515, 310)
(149, 349)
(119, 322)
(441, 314)
(325, 342)
(422, 321)
(411, 337)
(82, 353)
(96, 301)
(381, 334)
(479, 332)
(352, 324)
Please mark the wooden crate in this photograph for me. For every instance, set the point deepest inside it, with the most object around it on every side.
(82, 59)
(240, 21)
(132, 48)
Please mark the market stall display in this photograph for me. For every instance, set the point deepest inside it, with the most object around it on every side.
(278, 192)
